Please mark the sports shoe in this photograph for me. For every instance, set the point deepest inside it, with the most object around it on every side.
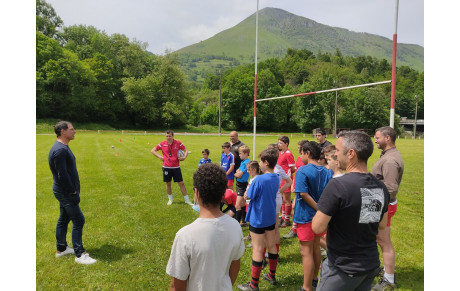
(248, 237)
(301, 288)
(281, 219)
(384, 285)
(285, 223)
(314, 284)
(67, 251)
(290, 234)
(189, 203)
(85, 259)
(246, 287)
(269, 279)
(243, 224)
(169, 202)
(323, 253)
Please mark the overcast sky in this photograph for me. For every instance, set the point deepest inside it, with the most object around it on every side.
(174, 24)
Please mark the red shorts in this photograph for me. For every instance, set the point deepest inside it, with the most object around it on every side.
(391, 211)
(230, 183)
(305, 233)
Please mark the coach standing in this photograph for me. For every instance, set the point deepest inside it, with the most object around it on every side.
(171, 167)
(353, 208)
(389, 169)
(235, 145)
(66, 189)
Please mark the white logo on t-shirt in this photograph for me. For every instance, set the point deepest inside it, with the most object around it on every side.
(372, 201)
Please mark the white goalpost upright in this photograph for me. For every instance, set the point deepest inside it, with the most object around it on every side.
(392, 81)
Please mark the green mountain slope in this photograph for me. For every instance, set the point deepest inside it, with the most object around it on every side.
(280, 30)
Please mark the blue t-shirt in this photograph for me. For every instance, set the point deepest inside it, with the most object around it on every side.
(243, 168)
(262, 208)
(225, 162)
(309, 179)
(203, 161)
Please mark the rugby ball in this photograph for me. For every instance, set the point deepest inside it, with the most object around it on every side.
(180, 154)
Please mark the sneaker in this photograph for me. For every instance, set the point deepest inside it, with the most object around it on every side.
(384, 285)
(243, 224)
(381, 273)
(85, 259)
(323, 253)
(290, 234)
(67, 251)
(281, 219)
(285, 223)
(169, 202)
(248, 237)
(314, 283)
(246, 287)
(301, 288)
(189, 203)
(269, 279)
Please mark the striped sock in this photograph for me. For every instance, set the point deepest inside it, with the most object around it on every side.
(255, 274)
(272, 263)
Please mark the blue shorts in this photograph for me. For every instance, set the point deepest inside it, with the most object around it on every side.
(172, 173)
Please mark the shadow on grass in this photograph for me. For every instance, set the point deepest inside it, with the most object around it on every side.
(109, 253)
(410, 278)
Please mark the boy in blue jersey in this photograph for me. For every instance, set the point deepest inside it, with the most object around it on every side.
(311, 180)
(205, 158)
(262, 219)
(227, 162)
(242, 177)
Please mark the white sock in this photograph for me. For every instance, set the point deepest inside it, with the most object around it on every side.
(186, 198)
(390, 277)
(170, 197)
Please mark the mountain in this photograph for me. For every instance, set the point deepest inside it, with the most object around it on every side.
(280, 30)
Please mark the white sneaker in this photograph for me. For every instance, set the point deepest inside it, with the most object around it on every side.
(169, 202)
(67, 251)
(85, 259)
(189, 203)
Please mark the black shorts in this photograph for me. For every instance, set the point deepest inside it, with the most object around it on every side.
(262, 229)
(170, 173)
(241, 188)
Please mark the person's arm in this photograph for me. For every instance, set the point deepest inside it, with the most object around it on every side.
(230, 170)
(390, 172)
(63, 176)
(238, 174)
(383, 222)
(286, 185)
(154, 152)
(234, 269)
(320, 222)
(292, 169)
(178, 285)
(308, 199)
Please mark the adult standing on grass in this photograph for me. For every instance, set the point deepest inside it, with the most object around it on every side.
(235, 144)
(389, 169)
(206, 253)
(171, 167)
(66, 189)
(321, 138)
(353, 208)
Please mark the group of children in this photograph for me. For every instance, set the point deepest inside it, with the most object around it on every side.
(264, 187)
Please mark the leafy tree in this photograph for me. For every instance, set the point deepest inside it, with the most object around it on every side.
(309, 111)
(47, 21)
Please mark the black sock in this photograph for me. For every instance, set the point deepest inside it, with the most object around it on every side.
(238, 215)
(243, 217)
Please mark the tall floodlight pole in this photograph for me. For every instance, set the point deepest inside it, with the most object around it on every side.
(255, 85)
(220, 101)
(393, 69)
(415, 117)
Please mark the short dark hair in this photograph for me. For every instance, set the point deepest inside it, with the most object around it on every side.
(330, 149)
(301, 142)
(61, 125)
(169, 131)
(270, 156)
(205, 151)
(211, 182)
(284, 139)
(388, 131)
(313, 148)
(226, 145)
(359, 141)
(322, 131)
(254, 165)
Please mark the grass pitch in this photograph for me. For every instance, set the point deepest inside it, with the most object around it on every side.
(130, 230)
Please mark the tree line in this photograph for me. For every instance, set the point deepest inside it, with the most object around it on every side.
(85, 75)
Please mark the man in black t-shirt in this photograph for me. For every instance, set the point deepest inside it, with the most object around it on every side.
(235, 145)
(321, 138)
(353, 208)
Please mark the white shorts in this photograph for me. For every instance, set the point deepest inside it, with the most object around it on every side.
(279, 201)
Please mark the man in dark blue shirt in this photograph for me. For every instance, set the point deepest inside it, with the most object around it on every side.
(66, 189)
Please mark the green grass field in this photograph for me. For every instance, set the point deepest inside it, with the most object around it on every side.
(130, 230)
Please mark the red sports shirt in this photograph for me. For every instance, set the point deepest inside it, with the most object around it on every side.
(170, 153)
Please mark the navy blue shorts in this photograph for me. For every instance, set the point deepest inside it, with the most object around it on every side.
(172, 173)
(262, 229)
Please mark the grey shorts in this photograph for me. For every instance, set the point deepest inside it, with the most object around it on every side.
(334, 279)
